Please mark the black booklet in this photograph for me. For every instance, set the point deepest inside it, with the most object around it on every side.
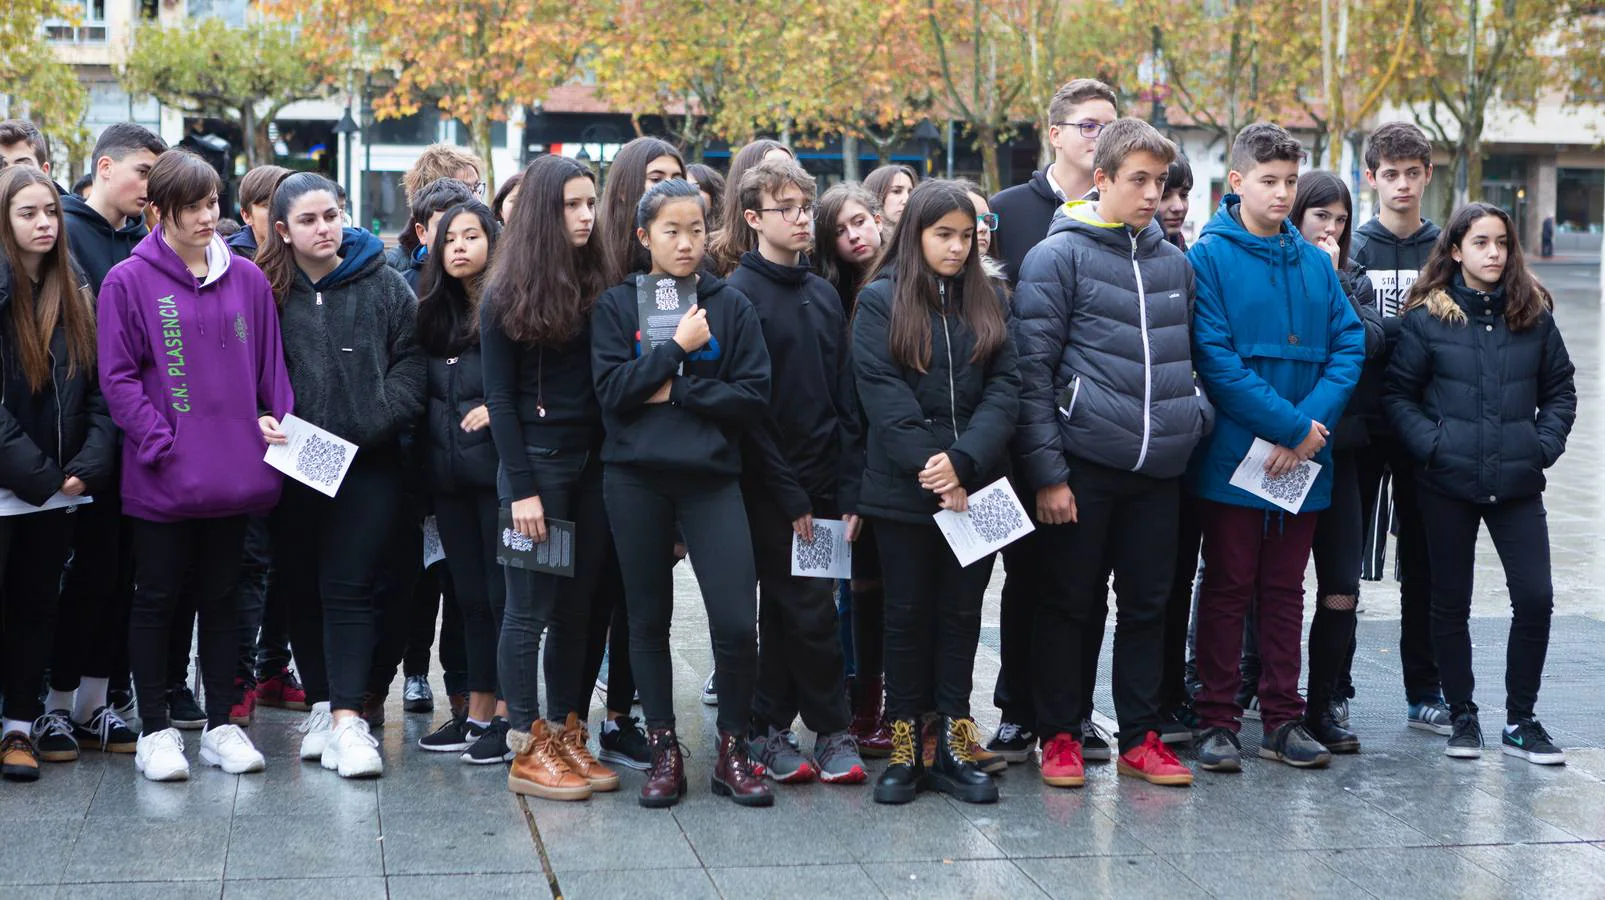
(662, 301)
(555, 555)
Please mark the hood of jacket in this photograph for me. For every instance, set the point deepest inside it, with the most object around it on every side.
(243, 242)
(361, 253)
(774, 271)
(1418, 243)
(77, 208)
(1081, 216)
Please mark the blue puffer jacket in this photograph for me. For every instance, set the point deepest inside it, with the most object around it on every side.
(1276, 345)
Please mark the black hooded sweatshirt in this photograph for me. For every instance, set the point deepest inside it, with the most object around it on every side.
(719, 390)
(1392, 264)
(799, 454)
(1024, 213)
(96, 245)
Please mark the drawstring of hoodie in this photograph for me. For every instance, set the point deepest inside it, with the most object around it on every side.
(1281, 523)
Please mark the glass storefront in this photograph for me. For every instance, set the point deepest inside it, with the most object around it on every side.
(1580, 200)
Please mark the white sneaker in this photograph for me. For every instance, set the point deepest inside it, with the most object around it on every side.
(352, 750)
(160, 756)
(317, 727)
(228, 748)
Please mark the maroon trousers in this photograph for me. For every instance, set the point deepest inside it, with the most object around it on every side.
(1251, 556)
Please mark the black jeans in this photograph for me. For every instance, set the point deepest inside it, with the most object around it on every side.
(96, 595)
(398, 584)
(643, 508)
(570, 489)
(1126, 523)
(609, 633)
(197, 559)
(1174, 667)
(264, 631)
(331, 553)
(1421, 679)
(800, 660)
(1339, 552)
(467, 522)
(434, 596)
(33, 549)
(933, 620)
(1520, 532)
(868, 615)
(1022, 585)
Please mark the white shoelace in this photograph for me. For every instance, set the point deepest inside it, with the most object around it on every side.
(103, 721)
(1090, 728)
(230, 736)
(317, 720)
(358, 726)
(1008, 731)
(52, 723)
(167, 739)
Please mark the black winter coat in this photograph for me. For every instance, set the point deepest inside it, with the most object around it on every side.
(1024, 213)
(64, 429)
(967, 410)
(1483, 410)
(1363, 416)
(457, 459)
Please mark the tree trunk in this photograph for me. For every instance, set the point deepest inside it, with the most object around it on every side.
(850, 157)
(248, 133)
(479, 142)
(987, 136)
(1473, 145)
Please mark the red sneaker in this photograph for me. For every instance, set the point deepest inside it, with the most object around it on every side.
(282, 690)
(1061, 762)
(1153, 762)
(242, 710)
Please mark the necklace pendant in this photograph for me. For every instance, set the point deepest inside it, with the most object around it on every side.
(1293, 339)
(540, 411)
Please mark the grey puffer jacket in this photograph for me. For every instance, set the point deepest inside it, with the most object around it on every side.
(1102, 331)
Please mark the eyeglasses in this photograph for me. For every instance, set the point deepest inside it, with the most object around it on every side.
(479, 189)
(1088, 129)
(792, 214)
(990, 220)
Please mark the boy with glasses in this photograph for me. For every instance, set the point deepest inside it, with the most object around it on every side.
(795, 468)
(1077, 114)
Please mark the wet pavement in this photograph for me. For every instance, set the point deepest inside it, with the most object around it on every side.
(1400, 819)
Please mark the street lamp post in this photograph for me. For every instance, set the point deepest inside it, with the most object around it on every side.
(346, 127)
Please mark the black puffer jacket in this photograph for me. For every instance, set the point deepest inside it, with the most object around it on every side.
(1024, 213)
(457, 459)
(63, 429)
(1101, 323)
(965, 409)
(1483, 410)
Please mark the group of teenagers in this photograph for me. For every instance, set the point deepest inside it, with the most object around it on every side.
(871, 355)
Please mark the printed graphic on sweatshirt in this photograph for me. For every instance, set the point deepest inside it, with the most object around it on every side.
(173, 350)
(1391, 289)
(240, 329)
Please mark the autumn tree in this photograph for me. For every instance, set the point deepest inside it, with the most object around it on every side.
(242, 75)
(470, 59)
(974, 43)
(1475, 53)
(33, 83)
(1366, 47)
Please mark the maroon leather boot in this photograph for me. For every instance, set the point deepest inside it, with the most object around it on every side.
(737, 777)
(665, 780)
(869, 721)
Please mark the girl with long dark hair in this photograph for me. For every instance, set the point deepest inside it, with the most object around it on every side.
(936, 375)
(1323, 211)
(547, 426)
(1480, 390)
(459, 460)
(55, 438)
(848, 239)
(349, 328)
(674, 415)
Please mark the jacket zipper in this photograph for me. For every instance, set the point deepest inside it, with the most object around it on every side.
(947, 338)
(60, 411)
(1075, 393)
(1147, 361)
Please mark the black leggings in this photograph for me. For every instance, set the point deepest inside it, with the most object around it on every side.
(933, 620)
(1520, 532)
(96, 596)
(467, 522)
(435, 597)
(869, 607)
(33, 548)
(643, 508)
(609, 633)
(1339, 553)
(197, 559)
(331, 554)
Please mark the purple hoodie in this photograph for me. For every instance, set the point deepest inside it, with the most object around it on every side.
(187, 367)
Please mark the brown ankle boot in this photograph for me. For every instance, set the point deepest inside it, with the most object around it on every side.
(869, 722)
(571, 747)
(665, 781)
(538, 768)
(737, 777)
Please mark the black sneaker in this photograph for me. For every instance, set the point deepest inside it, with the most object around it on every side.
(52, 737)
(183, 711)
(490, 747)
(1525, 740)
(1465, 739)
(1291, 744)
(107, 732)
(1012, 742)
(625, 745)
(1179, 726)
(1094, 742)
(1220, 751)
(122, 703)
(1330, 734)
(1340, 713)
(452, 737)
